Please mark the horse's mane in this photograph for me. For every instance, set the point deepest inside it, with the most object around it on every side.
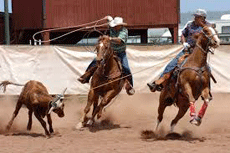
(103, 38)
(205, 27)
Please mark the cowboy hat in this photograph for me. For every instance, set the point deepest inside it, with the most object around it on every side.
(117, 21)
(200, 12)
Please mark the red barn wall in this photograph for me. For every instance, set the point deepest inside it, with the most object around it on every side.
(27, 14)
(137, 13)
(30, 16)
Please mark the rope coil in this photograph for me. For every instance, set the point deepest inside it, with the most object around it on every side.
(83, 27)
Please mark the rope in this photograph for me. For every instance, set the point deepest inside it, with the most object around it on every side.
(114, 99)
(121, 78)
(71, 27)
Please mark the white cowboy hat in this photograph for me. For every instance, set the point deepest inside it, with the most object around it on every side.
(117, 21)
(200, 12)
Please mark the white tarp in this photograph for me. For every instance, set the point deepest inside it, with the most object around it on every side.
(58, 67)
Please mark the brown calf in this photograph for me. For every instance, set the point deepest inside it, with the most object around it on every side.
(36, 98)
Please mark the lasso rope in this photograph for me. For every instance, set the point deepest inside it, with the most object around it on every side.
(84, 27)
(125, 76)
(121, 78)
(113, 100)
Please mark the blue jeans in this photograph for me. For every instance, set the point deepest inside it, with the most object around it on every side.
(124, 62)
(173, 63)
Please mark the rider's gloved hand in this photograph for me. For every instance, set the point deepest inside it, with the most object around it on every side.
(109, 18)
(186, 45)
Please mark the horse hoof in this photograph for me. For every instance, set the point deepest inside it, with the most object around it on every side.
(90, 122)
(193, 121)
(130, 91)
(196, 121)
(79, 126)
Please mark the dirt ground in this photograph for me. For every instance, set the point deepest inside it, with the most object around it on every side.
(128, 116)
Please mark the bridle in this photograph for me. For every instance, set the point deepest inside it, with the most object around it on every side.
(208, 48)
(105, 56)
(102, 61)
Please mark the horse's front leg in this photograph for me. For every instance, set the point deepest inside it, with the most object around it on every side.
(105, 101)
(206, 97)
(92, 97)
(188, 90)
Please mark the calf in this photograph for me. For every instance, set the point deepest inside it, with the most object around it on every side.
(36, 98)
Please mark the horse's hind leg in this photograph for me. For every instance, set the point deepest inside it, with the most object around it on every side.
(161, 110)
(165, 100)
(183, 107)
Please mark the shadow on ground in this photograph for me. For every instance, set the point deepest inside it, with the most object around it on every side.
(149, 135)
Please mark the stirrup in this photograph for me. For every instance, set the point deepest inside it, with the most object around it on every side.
(153, 87)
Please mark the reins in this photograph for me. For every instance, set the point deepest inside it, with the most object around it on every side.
(198, 70)
(209, 41)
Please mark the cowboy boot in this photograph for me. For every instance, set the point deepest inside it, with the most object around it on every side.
(88, 73)
(155, 87)
(128, 87)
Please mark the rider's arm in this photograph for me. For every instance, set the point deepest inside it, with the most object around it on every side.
(184, 35)
(184, 43)
(116, 40)
(122, 37)
(183, 40)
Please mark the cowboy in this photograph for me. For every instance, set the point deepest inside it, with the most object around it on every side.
(118, 37)
(188, 44)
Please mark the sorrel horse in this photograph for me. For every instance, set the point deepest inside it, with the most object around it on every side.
(192, 81)
(106, 81)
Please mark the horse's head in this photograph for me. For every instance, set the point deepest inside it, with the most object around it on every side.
(211, 36)
(103, 48)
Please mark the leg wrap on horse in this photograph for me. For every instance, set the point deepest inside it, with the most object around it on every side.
(192, 109)
(203, 110)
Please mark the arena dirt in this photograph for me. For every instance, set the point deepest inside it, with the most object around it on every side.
(121, 129)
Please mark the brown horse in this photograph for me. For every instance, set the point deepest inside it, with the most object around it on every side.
(192, 81)
(106, 81)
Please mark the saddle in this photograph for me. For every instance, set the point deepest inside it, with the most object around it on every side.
(117, 73)
(182, 61)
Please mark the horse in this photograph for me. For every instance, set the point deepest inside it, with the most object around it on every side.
(190, 81)
(106, 82)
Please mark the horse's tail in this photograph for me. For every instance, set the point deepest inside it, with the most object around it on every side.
(3, 84)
